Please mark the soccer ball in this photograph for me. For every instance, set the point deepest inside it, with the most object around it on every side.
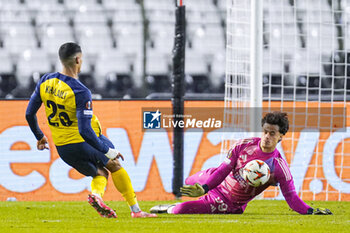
(256, 173)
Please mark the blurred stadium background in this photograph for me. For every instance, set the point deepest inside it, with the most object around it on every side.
(127, 47)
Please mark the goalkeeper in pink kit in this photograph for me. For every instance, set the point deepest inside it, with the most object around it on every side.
(227, 191)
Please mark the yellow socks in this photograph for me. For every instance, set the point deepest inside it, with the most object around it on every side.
(123, 184)
(98, 185)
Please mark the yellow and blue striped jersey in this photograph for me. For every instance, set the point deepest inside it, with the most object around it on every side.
(65, 99)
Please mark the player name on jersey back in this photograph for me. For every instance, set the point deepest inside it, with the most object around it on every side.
(55, 92)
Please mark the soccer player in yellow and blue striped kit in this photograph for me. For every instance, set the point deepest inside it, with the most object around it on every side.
(77, 132)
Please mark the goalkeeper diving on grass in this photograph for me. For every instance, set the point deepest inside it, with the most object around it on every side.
(228, 190)
(77, 133)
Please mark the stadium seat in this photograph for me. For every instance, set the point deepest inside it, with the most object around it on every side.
(161, 15)
(52, 36)
(277, 5)
(8, 80)
(88, 80)
(279, 22)
(218, 68)
(204, 6)
(113, 61)
(197, 63)
(17, 15)
(336, 68)
(306, 63)
(94, 38)
(127, 16)
(82, 5)
(52, 17)
(44, 5)
(158, 83)
(221, 87)
(162, 37)
(313, 5)
(10, 5)
(221, 5)
(31, 61)
(308, 84)
(320, 38)
(121, 5)
(8, 83)
(118, 86)
(198, 84)
(272, 84)
(158, 63)
(128, 37)
(209, 38)
(280, 38)
(194, 16)
(273, 62)
(274, 65)
(6, 63)
(33, 80)
(18, 37)
(159, 5)
(90, 16)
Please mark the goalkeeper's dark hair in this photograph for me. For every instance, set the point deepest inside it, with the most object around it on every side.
(277, 118)
(68, 51)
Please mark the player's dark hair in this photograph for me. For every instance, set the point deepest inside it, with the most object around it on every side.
(277, 118)
(67, 51)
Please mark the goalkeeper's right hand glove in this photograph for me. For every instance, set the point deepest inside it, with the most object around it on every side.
(114, 154)
(320, 211)
(195, 190)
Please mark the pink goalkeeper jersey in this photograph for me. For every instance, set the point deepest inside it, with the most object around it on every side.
(227, 179)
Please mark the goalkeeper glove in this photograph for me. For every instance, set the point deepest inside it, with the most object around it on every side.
(195, 190)
(114, 154)
(320, 211)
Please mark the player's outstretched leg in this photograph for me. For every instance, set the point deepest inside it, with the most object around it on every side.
(188, 207)
(161, 209)
(98, 204)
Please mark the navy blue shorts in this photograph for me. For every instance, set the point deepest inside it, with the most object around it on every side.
(83, 157)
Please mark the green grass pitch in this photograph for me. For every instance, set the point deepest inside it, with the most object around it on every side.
(260, 216)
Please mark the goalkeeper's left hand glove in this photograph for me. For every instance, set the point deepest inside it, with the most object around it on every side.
(195, 190)
(319, 211)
